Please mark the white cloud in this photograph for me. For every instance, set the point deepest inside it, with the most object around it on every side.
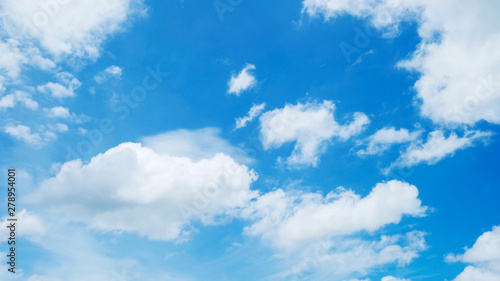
(438, 147)
(76, 28)
(243, 81)
(338, 259)
(64, 90)
(82, 131)
(59, 127)
(115, 189)
(311, 126)
(62, 112)
(14, 55)
(23, 133)
(7, 101)
(43, 134)
(10, 100)
(26, 100)
(58, 112)
(336, 236)
(384, 138)
(484, 257)
(457, 58)
(31, 225)
(255, 111)
(195, 144)
(112, 71)
(291, 220)
(391, 278)
(11, 58)
(384, 14)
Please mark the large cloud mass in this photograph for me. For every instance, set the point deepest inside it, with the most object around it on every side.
(132, 188)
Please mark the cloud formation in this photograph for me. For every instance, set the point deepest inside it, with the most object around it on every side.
(384, 138)
(243, 81)
(74, 28)
(457, 58)
(110, 72)
(115, 189)
(66, 88)
(438, 146)
(254, 112)
(322, 234)
(484, 257)
(311, 126)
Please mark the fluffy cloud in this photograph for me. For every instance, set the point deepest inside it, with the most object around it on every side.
(77, 28)
(391, 278)
(15, 55)
(115, 189)
(254, 112)
(291, 220)
(12, 58)
(335, 235)
(7, 101)
(58, 112)
(437, 147)
(64, 90)
(31, 225)
(243, 81)
(338, 259)
(384, 138)
(64, 113)
(484, 257)
(112, 71)
(10, 100)
(59, 127)
(457, 58)
(23, 133)
(311, 126)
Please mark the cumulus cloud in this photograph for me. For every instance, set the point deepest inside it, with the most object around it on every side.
(10, 100)
(23, 133)
(438, 146)
(484, 257)
(15, 55)
(59, 127)
(58, 112)
(66, 88)
(254, 112)
(311, 126)
(243, 81)
(110, 72)
(338, 259)
(37, 138)
(115, 189)
(31, 225)
(7, 101)
(290, 220)
(457, 58)
(321, 234)
(67, 28)
(384, 138)
(62, 112)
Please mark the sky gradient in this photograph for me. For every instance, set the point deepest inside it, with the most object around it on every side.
(252, 140)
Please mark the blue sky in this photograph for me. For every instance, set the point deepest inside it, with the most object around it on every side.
(252, 140)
